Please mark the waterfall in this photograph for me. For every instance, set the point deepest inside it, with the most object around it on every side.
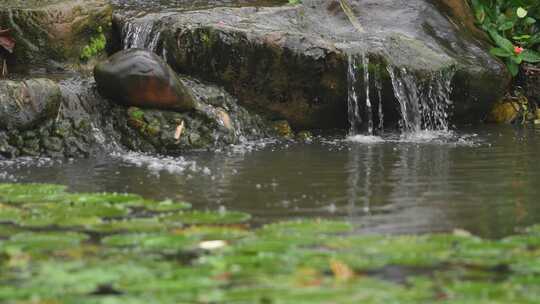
(423, 103)
(369, 113)
(379, 88)
(352, 97)
(141, 34)
(356, 117)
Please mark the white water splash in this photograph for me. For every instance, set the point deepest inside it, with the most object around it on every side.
(157, 164)
(365, 139)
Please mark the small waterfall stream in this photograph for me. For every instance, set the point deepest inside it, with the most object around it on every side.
(142, 35)
(360, 115)
(352, 99)
(423, 103)
(369, 113)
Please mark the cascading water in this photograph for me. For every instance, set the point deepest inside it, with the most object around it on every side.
(379, 87)
(423, 103)
(369, 113)
(352, 99)
(356, 116)
(141, 35)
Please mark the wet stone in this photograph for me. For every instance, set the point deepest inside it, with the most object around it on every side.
(25, 104)
(141, 78)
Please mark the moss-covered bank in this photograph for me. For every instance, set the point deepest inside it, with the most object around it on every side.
(61, 247)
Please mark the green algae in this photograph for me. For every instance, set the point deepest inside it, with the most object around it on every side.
(116, 248)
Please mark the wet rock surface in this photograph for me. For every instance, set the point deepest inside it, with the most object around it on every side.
(53, 31)
(140, 78)
(84, 123)
(25, 104)
(217, 122)
(291, 62)
(65, 132)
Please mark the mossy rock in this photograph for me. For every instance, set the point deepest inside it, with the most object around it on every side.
(507, 111)
(54, 30)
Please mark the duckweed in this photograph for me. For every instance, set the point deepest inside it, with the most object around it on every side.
(62, 247)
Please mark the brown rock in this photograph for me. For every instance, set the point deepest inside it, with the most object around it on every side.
(140, 78)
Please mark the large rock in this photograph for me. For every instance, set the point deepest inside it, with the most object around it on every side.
(291, 62)
(25, 104)
(54, 30)
(141, 78)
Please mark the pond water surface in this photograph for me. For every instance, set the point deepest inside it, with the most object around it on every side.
(482, 180)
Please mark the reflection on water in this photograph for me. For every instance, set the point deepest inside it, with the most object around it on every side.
(484, 183)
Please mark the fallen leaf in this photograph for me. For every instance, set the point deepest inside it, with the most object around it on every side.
(179, 130)
(341, 271)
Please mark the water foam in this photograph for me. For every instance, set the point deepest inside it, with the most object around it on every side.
(157, 164)
(365, 139)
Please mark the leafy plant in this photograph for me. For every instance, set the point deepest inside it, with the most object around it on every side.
(95, 47)
(513, 25)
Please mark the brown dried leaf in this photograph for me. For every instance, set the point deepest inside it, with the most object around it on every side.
(341, 271)
(179, 130)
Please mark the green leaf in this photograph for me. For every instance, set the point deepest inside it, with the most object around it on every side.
(517, 59)
(506, 26)
(530, 20)
(512, 67)
(502, 42)
(521, 37)
(500, 52)
(530, 56)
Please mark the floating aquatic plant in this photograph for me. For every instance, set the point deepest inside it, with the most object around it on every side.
(112, 248)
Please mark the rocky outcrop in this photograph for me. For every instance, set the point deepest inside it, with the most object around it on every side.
(25, 104)
(53, 30)
(78, 122)
(140, 78)
(291, 62)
